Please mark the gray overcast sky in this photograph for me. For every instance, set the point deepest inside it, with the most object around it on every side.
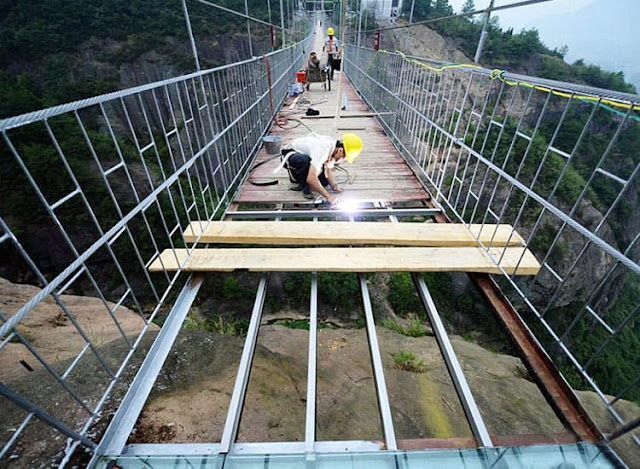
(528, 16)
(602, 32)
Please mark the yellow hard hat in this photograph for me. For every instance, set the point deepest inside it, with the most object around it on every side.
(330, 31)
(352, 146)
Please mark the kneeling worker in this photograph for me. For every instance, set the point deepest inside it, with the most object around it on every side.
(310, 161)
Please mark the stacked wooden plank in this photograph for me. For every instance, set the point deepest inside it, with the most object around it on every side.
(356, 247)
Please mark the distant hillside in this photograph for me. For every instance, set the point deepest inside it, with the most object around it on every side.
(524, 52)
(56, 51)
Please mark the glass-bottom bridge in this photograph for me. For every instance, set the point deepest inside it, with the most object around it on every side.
(457, 146)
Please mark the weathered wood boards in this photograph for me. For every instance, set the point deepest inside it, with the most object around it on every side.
(516, 260)
(349, 233)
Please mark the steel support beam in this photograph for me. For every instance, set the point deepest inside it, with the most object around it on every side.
(125, 418)
(474, 417)
(558, 393)
(378, 371)
(230, 430)
(310, 425)
(273, 214)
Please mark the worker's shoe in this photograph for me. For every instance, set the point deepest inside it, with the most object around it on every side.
(307, 194)
(295, 187)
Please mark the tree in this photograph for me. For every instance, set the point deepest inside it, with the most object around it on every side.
(421, 9)
(442, 8)
(468, 7)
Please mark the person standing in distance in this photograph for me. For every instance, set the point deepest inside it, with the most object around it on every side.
(332, 48)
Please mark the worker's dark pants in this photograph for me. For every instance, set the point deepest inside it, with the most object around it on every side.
(299, 165)
(330, 62)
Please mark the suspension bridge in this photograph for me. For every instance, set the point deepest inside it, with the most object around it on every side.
(481, 158)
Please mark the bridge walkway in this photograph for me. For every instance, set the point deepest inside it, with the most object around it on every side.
(378, 176)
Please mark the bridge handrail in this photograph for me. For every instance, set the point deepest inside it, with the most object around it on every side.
(493, 151)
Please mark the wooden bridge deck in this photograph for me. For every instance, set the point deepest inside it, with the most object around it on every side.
(379, 174)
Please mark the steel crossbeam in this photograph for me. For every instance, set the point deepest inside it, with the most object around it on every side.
(378, 371)
(474, 417)
(310, 425)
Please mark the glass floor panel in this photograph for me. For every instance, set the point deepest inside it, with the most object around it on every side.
(582, 455)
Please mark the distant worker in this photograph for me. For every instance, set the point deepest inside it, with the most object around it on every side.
(310, 161)
(313, 69)
(313, 63)
(332, 48)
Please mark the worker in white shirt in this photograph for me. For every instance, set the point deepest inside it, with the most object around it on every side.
(310, 161)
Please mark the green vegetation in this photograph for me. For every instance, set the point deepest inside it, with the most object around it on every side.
(413, 329)
(615, 365)
(407, 361)
(220, 324)
(402, 295)
(55, 51)
(232, 289)
(338, 291)
(302, 324)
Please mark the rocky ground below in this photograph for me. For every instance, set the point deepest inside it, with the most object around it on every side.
(191, 397)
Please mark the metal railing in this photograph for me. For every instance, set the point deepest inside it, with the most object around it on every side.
(114, 180)
(555, 160)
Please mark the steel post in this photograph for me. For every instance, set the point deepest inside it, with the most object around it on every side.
(483, 34)
(246, 11)
(189, 30)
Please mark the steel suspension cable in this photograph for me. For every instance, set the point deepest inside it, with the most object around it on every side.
(237, 13)
(460, 15)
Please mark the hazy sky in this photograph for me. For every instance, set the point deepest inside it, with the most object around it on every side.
(528, 16)
(602, 32)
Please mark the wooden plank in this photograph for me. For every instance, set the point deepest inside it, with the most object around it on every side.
(269, 197)
(365, 184)
(380, 259)
(379, 174)
(303, 233)
(348, 116)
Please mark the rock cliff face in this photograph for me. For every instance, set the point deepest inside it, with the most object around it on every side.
(51, 332)
(191, 397)
(422, 41)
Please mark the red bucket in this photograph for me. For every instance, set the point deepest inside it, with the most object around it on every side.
(301, 76)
